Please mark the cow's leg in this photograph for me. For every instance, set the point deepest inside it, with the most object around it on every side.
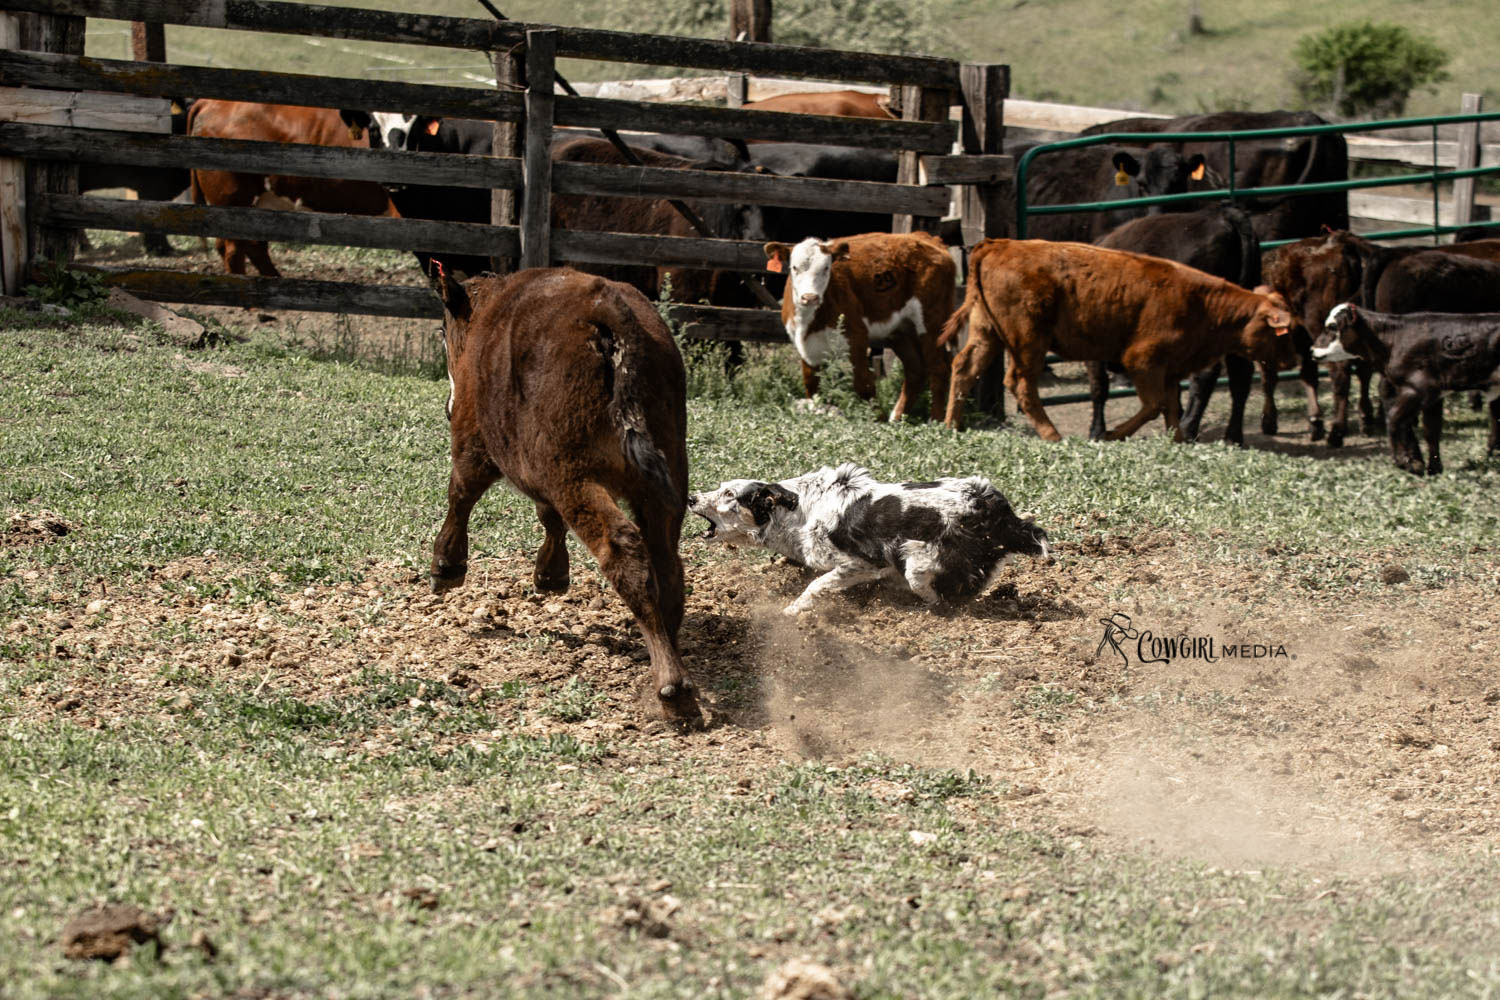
(859, 357)
(662, 529)
(234, 258)
(809, 380)
(1241, 372)
(981, 350)
(1401, 416)
(1369, 420)
(1494, 443)
(1308, 376)
(1172, 410)
(156, 245)
(256, 250)
(1152, 389)
(1098, 397)
(1201, 390)
(625, 560)
(1338, 378)
(472, 473)
(1432, 427)
(913, 373)
(939, 371)
(1026, 371)
(551, 573)
(1270, 421)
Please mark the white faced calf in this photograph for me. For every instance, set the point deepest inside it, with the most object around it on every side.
(888, 289)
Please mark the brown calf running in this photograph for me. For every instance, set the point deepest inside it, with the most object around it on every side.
(1159, 319)
(570, 386)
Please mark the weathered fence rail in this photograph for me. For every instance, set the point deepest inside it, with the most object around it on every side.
(519, 229)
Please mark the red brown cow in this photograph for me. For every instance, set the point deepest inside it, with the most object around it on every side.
(885, 289)
(841, 103)
(277, 123)
(570, 387)
(1159, 319)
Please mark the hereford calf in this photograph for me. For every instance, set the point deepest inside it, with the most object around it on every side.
(1421, 356)
(570, 386)
(887, 289)
(1160, 320)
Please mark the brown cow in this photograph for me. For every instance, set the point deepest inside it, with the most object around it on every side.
(569, 386)
(840, 103)
(277, 123)
(885, 288)
(1159, 319)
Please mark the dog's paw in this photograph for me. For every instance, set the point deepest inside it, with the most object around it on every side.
(794, 609)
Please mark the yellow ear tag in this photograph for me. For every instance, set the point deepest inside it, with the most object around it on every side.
(1121, 177)
(1197, 175)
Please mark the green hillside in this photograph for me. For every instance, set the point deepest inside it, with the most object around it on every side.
(1137, 55)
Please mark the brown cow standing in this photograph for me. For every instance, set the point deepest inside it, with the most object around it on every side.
(840, 103)
(277, 123)
(1159, 319)
(885, 288)
(570, 386)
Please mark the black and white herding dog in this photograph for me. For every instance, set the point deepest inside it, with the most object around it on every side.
(945, 538)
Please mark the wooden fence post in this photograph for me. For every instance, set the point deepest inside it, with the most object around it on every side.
(12, 190)
(63, 34)
(536, 168)
(148, 41)
(736, 90)
(918, 104)
(1468, 156)
(509, 76)
(986, 210)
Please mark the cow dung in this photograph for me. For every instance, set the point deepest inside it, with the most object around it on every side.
(800, 979)
(107, 932)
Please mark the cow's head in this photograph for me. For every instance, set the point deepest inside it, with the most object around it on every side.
(1267, 337)
(1163, 170)
(389, 129)
(1316, 274)
(1340, 338)
(809, 266)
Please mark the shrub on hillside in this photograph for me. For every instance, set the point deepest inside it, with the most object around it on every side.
(1363, 68)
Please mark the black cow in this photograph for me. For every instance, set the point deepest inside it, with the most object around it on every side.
(1099, 173)
(1421, 356)
(1264, 163)
(1219, 240)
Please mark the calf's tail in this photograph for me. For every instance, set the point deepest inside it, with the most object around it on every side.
(973, 296)
(624, 343)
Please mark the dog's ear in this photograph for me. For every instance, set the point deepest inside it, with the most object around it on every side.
(765, 498)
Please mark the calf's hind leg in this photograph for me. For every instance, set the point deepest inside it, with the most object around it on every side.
(551, 573)
(472, 474)
(625, 558)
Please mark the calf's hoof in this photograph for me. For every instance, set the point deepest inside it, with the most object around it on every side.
(1269, 425)
(1371, 426)
(550, 583)
(1316, 432)
(1435, 467)
(1335, 438)
(1238, 440)
(446, 578)
(679, 702)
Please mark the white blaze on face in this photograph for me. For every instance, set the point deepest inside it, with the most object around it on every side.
(810, 266)
(393, 128)
(1334, 314)
(1334, 351)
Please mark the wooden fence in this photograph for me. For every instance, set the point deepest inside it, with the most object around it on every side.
(46, 58)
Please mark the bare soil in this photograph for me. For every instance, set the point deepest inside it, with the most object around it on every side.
(1371, 742)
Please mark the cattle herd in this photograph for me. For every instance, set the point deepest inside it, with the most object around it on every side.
(1158, 295)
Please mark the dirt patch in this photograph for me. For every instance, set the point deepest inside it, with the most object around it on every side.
(800, 979)
(110, 932)
(34, 527)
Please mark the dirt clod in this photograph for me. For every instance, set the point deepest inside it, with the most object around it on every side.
(109, 932)
(1393, 573)
(801, 979)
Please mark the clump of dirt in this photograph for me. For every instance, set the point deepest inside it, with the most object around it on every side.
(35, 527)
(109, 932)
(803, 979)
(650, 917)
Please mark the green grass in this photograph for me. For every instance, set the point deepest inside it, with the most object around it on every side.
(290, 828)
(1073, 51)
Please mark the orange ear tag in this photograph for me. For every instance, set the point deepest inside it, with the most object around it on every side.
(774, 264)
(1282, 331)
(1197, 174)
(1121, 178)
(433, 126)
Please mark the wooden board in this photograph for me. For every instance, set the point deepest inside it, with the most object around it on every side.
(12, 191)
(977, 169)
(273, 293)
(86, 110)
(1414, 211)
(489, 35)
(724, 323)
